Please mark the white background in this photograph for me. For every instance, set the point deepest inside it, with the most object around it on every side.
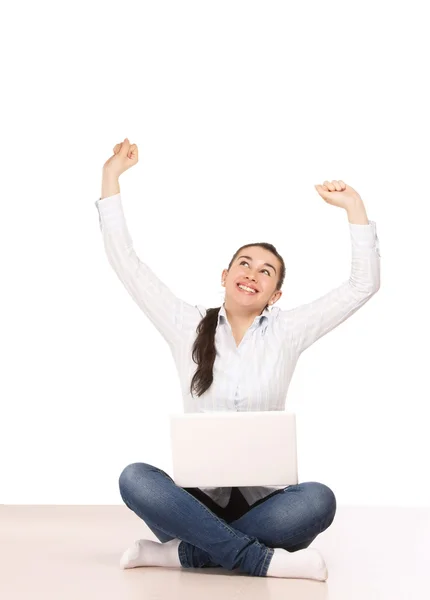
(238, 109)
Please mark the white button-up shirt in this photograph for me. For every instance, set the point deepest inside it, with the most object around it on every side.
(254, 376)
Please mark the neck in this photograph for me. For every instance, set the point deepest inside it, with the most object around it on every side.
(240, 316)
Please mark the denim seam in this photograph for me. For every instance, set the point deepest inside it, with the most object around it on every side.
(182, 556)
(266, 562)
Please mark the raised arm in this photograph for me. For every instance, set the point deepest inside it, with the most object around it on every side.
(309, 322)
(171, 316)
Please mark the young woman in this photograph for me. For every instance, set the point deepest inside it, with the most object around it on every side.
(245, 354)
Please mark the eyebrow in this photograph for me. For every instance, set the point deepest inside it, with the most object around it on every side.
(250, 258)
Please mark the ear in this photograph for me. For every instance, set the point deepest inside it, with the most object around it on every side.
(275, 297)
(224, 275)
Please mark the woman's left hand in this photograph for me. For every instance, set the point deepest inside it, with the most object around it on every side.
(338, 193)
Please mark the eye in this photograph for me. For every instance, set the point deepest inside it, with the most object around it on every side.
(245, 261)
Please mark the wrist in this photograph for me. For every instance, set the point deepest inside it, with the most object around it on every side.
(110, 184)
(356, 212)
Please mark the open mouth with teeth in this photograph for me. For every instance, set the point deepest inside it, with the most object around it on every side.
(249, 291)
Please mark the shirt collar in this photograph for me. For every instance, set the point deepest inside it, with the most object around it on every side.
(222, 315)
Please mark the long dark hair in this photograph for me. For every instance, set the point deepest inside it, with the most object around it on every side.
(204, 351)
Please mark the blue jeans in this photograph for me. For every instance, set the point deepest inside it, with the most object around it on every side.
(238, 536)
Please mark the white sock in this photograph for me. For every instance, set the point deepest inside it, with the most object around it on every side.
(145, 553)
(302, 564)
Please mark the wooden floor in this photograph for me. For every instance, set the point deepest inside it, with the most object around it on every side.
(73, 552)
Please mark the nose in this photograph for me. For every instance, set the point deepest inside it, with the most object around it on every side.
(252, 279)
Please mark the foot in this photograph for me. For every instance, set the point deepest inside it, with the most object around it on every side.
(302, 564)
(145, 553)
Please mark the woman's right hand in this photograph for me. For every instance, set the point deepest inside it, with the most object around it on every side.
(125, 155)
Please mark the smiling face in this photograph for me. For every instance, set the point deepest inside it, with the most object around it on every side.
(257, 268)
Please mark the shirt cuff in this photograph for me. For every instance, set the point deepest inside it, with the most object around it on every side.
(364, 236)
(108, 202)
(110, 211)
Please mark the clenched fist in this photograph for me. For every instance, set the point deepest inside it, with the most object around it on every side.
(125, 155)
(338, 193)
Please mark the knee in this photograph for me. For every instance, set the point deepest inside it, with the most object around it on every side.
(131, 475)
(323, 500)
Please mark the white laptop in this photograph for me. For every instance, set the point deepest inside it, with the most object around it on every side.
(234, 449)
